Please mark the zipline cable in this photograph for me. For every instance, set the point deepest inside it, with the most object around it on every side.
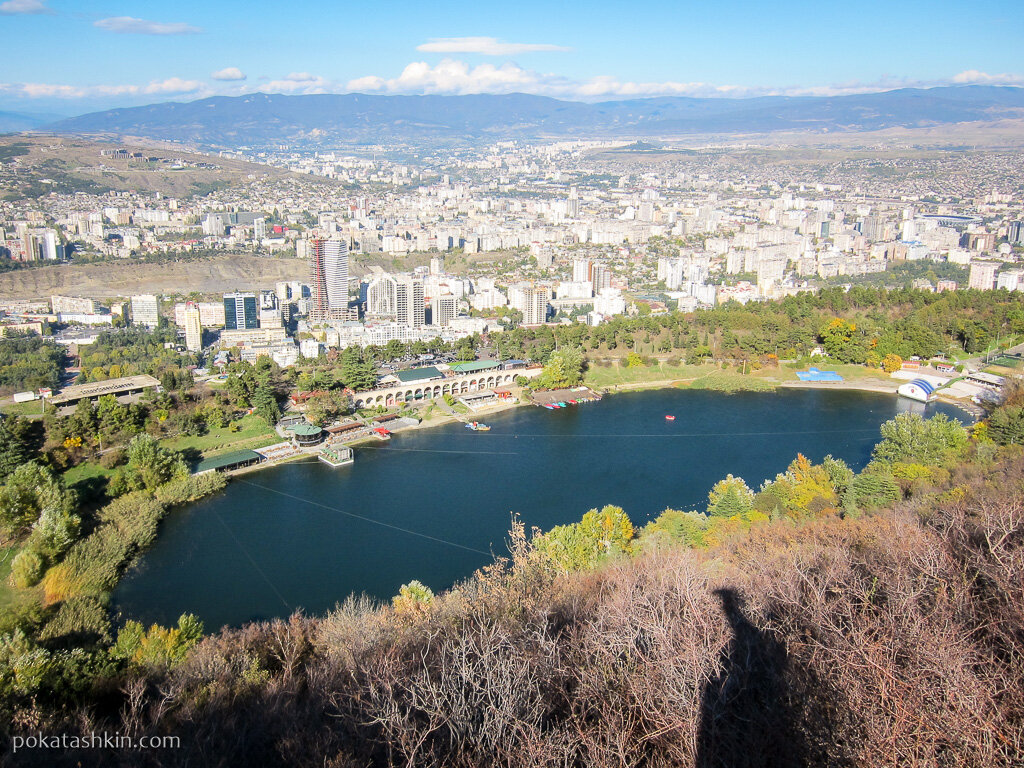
(367, 519)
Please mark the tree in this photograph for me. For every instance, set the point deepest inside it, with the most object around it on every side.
(912, 438)
(114, 417)
(1006, 425)
(564, 368)
(839, 473)
(579, 546)
(611, 528)
(872, 489)
(675, 526)
(27, 569)
(324, 407)
(82, 423)
(30, 490)
(357, 370)
(159, 647)
(54, 532)
(149, 465)
(842, 342)
(13, 451)
(892, 363)
(264, 404)
(804, 488)
(730, 496)
(412, 597)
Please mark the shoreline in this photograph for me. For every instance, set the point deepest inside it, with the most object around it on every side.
(440, 418)
(759, 385)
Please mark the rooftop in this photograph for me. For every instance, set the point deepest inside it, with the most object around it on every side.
(100, 388)
(305, 430)
(473, 365)
(426, 373)
(227, 460)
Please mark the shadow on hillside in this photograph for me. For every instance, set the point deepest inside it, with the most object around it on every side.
(747, 714)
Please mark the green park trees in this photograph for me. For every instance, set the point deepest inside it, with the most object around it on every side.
(324, 407)
(911, 438)
(149, 465)
(29, 362)
(843, 342)
(578, 546)
(564, 368)
(730, 496)
(30, 491)
(1006, 425)
(357, 369)
(13, 451)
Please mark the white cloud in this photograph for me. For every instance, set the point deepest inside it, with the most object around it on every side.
(172, 85)
(228, 73)
(975, 77)
(301, 83)
(486, 46)
(14, 7)
(128, 25)
(451, 76)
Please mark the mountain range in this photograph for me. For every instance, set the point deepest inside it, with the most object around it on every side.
(268, 119)
(24, 121)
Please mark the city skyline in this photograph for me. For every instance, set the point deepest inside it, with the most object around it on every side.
(570, 51)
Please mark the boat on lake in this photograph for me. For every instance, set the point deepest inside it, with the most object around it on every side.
(478, 427)
(670, 418)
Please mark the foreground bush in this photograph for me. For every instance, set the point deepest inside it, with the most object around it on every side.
(890, 639)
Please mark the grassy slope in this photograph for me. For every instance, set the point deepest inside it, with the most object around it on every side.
(713, 376)
(253, 433)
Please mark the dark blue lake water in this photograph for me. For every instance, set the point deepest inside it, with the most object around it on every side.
(434, 504)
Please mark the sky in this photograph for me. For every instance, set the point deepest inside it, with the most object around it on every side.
(69, 57)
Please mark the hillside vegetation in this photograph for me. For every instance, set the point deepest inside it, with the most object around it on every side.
(826, 619)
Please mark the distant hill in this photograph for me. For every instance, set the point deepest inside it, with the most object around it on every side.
(262, 119)
(11, 122)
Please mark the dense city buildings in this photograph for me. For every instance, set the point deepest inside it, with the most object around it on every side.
(474, 239)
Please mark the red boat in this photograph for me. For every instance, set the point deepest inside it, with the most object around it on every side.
(670, 418)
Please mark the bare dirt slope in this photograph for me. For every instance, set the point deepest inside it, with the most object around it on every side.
(213, 275)
(42, 164)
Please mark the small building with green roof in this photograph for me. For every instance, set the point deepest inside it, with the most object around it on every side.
(306, 434)
(228, 461)
(472, 366)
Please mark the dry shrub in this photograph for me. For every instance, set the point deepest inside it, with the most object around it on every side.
(895, 639)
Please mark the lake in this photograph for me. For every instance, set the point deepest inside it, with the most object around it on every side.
(434, 504)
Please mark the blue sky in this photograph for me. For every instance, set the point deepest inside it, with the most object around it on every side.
(70, 57)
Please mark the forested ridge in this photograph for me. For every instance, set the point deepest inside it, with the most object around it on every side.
(859, 325)
(826, 618)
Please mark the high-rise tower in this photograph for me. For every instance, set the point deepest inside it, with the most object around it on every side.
(328, 277)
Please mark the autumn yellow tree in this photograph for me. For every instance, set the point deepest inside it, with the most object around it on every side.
(892, 362)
